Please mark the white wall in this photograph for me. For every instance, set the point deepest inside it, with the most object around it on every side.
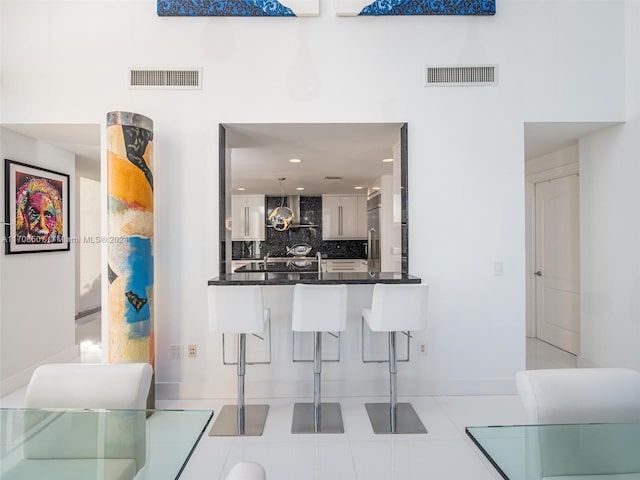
(88, 259)
(466, 169)
(37, 290)
(610, 228)
(88, 211)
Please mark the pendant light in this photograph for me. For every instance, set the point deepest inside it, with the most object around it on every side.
(281, 217)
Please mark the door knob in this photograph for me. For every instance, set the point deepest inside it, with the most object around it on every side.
(538, 273)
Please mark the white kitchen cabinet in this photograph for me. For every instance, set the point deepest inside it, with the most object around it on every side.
(247, 217)
(344, 217)
(346, 265)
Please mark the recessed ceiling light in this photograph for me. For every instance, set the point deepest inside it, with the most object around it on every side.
(358, 188)
(242, 189)
(299, 188)
(387, 160)
(375, 188)
(295, 160)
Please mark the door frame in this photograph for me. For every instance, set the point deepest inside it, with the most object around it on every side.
(530, 236)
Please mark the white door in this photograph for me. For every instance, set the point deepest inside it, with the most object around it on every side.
(558, 263)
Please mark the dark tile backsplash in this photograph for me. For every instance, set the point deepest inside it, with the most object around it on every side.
(276, 242)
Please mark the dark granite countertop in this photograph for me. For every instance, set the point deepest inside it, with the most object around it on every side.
(289, 266)
(335, 256)
(290, 278)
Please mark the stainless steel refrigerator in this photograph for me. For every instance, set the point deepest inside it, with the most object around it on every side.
(373, 236)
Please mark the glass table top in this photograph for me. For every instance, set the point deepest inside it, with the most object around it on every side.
(573, 452)
(98, 444)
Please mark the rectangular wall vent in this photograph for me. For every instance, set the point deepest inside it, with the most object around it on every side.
(461, 76)
(174, 79)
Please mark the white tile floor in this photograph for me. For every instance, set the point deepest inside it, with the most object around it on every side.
(445, 452)
(544, 355)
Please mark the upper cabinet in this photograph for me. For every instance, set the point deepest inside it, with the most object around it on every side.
(344, 217)
(247, 217)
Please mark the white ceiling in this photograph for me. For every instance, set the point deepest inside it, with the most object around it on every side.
(542, 138)
(81, 139)
(260, 155)
(354, 151)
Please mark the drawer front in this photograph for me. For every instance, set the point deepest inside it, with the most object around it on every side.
(345, 266)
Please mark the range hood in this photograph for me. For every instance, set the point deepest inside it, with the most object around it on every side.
(293, 201)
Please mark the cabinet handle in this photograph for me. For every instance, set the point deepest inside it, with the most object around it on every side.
(339, 220)
(246, 221)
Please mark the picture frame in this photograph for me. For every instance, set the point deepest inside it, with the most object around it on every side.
(37, 209)
(238, 8)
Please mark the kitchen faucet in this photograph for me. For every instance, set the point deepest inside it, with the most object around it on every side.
(319, 260)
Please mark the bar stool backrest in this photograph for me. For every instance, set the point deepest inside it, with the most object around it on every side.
(396, 307)
(236, 309)
(319, 308)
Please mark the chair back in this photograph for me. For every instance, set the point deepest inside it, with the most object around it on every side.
(319, 308)
(246, 471)
(580, 395)
(236, 309)
(87, 435)
(396, 307)
(85, 385)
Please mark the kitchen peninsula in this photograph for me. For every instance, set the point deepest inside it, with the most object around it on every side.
(303, 270)
(291, 278)
(277, 351)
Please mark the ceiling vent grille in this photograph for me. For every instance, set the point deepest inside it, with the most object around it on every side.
(461, 76)
(173, 79)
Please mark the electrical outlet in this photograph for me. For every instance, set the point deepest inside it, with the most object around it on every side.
(498, 268)
(176, 352)
(422, 348)
(192, 351)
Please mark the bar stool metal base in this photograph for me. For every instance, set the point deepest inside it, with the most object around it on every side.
(407, 420)
(330, 418)
(226, 425)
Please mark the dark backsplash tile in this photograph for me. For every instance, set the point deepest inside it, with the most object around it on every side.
(276, 243)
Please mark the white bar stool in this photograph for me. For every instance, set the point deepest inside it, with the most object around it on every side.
(395, 307)
(238, 309)
(318, 308)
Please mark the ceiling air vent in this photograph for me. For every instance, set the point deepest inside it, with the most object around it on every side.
(461, 76)
(173, 79)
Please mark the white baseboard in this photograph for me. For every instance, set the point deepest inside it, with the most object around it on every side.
(20, 379)
(363, 388)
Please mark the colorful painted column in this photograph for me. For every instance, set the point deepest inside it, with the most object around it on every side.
(130, 257)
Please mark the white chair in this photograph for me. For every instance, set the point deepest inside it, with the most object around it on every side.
(580, 395)
(238, 309)
(395, 307)
(317, 309)
(246, 471)
(80, 445)
(82, 385)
